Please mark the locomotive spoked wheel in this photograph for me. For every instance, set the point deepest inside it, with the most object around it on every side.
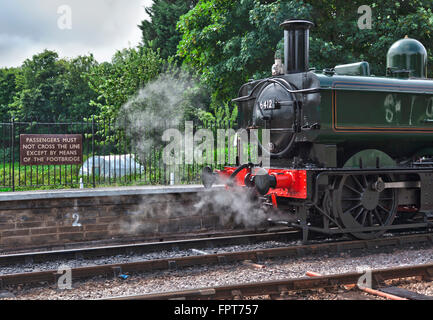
(359, 206)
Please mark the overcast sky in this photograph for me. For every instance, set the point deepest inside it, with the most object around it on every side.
(70, 27)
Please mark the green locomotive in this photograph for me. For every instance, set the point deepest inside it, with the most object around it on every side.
(351, 153)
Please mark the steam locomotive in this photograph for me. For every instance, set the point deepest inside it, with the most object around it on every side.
(351, 153)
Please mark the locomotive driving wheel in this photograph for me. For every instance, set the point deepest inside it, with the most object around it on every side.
(358, 204)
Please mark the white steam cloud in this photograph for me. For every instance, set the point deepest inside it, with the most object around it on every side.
(233, 206)
(159, 106)
(155, 108)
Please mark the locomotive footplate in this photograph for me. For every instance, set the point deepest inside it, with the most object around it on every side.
(362, 203)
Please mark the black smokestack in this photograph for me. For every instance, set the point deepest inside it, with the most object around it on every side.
(296, 45)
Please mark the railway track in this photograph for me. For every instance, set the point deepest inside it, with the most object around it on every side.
(253, 256)
(281, 288)
(148, 247)
(166, 239)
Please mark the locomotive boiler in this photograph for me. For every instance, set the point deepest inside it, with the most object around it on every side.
(351, 153)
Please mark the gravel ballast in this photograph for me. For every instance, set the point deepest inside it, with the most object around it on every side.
(219, 275)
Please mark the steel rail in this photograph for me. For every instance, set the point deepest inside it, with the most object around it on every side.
(111, 270)
(148, 247)
(282, 287)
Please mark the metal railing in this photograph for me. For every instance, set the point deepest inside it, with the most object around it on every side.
(111, 157)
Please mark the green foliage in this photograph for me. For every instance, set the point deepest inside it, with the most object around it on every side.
(161, 29)
(229, 42)
(79, 92)
(116, 82)
(52, 89)
(224, 117)
(196, 100)
(7, 92)
(336, 39)
(224, 43)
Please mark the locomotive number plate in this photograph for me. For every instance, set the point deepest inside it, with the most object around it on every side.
(267, 104)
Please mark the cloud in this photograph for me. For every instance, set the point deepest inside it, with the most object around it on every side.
(97, 26)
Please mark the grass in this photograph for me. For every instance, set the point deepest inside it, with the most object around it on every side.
(29, 178)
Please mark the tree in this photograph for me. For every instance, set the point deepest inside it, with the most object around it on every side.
(337, 39)
(161, 29)
(52, 89)
(40, 91)
(7, 92)
(77, 87)
(117, 81)
(228, 42)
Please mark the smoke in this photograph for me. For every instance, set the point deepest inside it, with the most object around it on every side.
(152, 210)
(160, 214)
(235, 206)
(158, 106)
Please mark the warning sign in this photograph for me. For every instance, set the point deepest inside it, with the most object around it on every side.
(42, 149)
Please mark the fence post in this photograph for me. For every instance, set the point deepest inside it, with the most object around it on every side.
(13, 154)
(93, 151)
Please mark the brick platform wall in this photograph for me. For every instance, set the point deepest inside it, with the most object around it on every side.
(48, 222)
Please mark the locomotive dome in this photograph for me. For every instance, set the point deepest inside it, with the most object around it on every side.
(407, 58)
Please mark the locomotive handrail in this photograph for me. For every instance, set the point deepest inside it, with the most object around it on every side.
(284, 84)
(384, 89)
(276, 82)
(250, 96)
